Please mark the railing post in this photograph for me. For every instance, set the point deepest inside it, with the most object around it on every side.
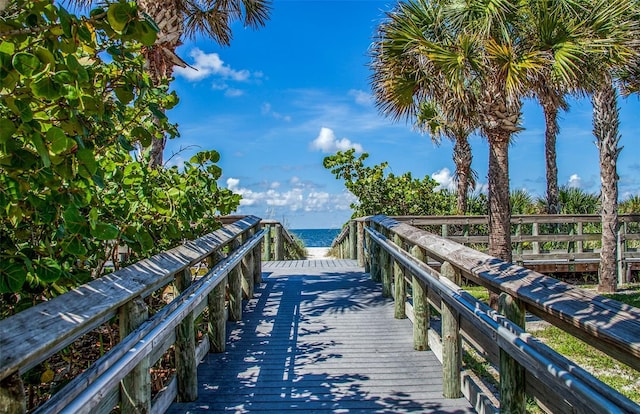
(217, 325)
(399, 284)
(135, 388)
(353, 240)
(185, 348)
(580, 243)
(420, 294)
(368, 258)
(247, 269)
(451, 341)
(257, 261)
(360, 243)
(267, 243)
(12, 397)
(620, 253)
(279, 242)
(512, 375)
(444, 232)
(535, 246)
(385, 270)
(374, 254)
(519, 243)
(235, 288)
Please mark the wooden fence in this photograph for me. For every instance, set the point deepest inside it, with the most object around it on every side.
(279, 244)
(546, 243)
(396, 254)
(233, 259)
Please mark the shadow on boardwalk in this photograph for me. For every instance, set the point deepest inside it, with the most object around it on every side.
(323, 343)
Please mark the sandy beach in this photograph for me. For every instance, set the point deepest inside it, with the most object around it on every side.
(317, 253)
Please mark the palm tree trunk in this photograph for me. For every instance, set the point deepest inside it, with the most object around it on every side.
(499, 206)
(605, 129)
(551, 132)
(161, 56)
(462, 157)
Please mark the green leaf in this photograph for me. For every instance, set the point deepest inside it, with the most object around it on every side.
(27, 64)
(125, 95)
(77, 69)
(105, 231)
(46, 88)
(48, 270)
(42, 149)
(7, 128)
(144, 238)
(7, 47)
(60, 142)
(75, 223)
(75, 247)
(147, 34)
(118, 15)
(141, 135)
(45, 56)
(88, 161)
(20, 108)
(125, 144)
(12, 276)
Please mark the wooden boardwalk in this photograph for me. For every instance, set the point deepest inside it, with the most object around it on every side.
(318, 337)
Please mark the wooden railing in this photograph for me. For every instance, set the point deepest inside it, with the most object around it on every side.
(396, 254)
(279, 244)
(232, 256)
(546, 243)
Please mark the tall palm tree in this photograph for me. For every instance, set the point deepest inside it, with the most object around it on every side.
(615, 28)
(433, 120)
(180, 19)
(470, 51)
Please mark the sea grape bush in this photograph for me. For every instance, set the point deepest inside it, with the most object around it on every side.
(379, 192)
(75, 104)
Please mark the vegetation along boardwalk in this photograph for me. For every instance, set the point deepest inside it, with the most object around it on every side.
(319, 337)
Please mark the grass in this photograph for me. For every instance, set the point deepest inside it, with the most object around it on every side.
(608, 370)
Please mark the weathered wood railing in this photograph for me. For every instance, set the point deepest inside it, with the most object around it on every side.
(396, 254)
(279, 244)
(121, 376)
(546, 243)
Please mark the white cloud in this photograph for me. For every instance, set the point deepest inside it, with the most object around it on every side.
(232, 92)
(445, 179)
(208, 64)
(575, 181)
(267, 110)
(295, 199)
(361, 97)
(327, 142)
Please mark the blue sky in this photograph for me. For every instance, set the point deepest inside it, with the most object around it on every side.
(281, 98)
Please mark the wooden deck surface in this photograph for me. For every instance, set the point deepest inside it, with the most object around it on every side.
(319, 338)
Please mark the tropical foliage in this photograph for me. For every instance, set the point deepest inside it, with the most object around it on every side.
(74, 97)
(381, 192)
(482, 58)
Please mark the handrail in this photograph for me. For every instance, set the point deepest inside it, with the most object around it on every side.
(528, 351)
(279, 243)
(550, 299)
(139, 344)
(32, 336)
(571, 241)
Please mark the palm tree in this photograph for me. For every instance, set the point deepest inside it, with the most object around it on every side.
(433, 120)
(468, 51)
(180, 19)
(615, 28)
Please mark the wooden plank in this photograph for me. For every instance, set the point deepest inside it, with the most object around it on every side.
(606, 324)
(39, 332)
(322, 340)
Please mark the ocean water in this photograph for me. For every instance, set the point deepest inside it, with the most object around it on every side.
(316, 237)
